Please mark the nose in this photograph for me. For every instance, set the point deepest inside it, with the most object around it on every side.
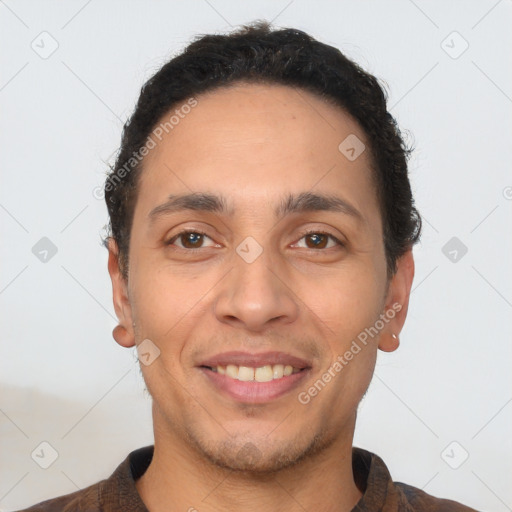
(253, 296)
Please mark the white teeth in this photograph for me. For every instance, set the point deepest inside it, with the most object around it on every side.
(278, 371)
(232, 371)
(245, 373)
(262, 374)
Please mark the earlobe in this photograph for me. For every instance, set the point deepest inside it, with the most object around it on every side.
(123, 337)
(389, 342)
(397, 301)
(124, 332)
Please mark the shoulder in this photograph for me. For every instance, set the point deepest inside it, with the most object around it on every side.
(86, 499)
(420, 500)
(382, 493)
(117, 492)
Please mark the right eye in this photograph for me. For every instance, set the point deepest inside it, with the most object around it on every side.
(189, 239)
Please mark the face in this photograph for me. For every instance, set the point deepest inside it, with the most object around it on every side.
(253, 288)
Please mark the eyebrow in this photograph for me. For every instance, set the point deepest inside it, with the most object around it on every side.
(298, 203)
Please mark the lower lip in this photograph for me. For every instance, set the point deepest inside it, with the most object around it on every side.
(254, 392)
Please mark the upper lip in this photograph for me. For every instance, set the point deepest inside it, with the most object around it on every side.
(239, 358)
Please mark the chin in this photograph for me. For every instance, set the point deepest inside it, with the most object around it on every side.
(260, 456)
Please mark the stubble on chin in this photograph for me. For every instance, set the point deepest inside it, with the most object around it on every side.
(262, 458)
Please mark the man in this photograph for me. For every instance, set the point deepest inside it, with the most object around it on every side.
(262, 226)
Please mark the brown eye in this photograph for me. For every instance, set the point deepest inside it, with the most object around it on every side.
(189, 240)
(318, 240)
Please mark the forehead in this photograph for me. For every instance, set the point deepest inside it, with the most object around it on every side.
(252, 142)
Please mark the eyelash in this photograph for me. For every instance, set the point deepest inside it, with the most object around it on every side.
(198, 232)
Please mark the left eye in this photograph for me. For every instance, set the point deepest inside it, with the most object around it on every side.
(319, 240)
(189, 239)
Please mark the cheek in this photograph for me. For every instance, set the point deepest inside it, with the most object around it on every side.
(352, 303)
(159, 301)
(355, 362)
(354, 311)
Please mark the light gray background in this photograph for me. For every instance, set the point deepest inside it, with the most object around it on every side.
(63, 378)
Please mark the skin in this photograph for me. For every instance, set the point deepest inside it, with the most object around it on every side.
(254, 144)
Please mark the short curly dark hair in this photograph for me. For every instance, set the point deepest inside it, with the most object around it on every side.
(257, 53)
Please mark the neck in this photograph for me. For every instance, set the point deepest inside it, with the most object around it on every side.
(179, 478)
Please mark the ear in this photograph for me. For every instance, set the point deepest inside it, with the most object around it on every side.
(397, 302)
(123, 333)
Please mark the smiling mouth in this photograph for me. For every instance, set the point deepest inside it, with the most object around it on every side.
(265, 373)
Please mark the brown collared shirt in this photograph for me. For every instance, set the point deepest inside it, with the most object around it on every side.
(119, 494)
